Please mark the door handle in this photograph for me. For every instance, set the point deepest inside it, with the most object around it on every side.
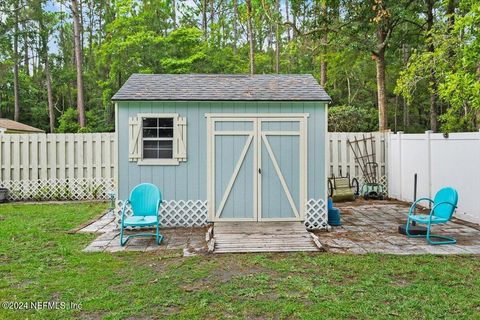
(259, 171)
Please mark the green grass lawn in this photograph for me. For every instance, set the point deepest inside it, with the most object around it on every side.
(40, 261)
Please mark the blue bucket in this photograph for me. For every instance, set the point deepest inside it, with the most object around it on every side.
(334, 216)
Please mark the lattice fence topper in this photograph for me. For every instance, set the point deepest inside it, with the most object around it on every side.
(316, 214)
(174, 213)
(59, 189)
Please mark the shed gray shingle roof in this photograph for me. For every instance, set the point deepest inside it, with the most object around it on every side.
(281, 87)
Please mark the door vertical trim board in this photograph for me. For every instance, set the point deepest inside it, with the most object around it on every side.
(210, 170)
(303, 166)
(258, 195)
(256, 175)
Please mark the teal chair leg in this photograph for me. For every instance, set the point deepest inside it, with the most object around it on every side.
(407, 230)
(446, 240)
(158, 236)
(122, 243)
(429, 235)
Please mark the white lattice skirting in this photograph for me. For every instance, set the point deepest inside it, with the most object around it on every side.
(316, 214)
(194, 213)
(175, 213)
(59, 189)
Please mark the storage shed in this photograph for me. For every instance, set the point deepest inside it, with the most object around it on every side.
(225, 147)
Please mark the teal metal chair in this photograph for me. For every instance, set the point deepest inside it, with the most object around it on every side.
(145, 200)
(444, 206)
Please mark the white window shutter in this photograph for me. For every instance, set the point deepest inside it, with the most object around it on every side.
(180, 135)
(134, 137)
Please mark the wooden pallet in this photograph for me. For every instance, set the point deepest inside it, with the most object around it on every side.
(229, 237)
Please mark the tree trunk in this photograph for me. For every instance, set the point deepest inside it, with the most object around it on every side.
(406, 117)
(204, 18)
(235, 26)
(433, 80)
(25, 43)
(43, 35)
(78, 60)
(287, 16)
(174, 13)
(324, 43)
(16, 86)
(323, 61)
(433, 103)
(277, 36)
(381, 91)
(379, 58)
(294, 21)
(26, 59)
(250, 37)
(91, 16)
(51, 111)
(451, 5)
(212, 13)
(349, 92)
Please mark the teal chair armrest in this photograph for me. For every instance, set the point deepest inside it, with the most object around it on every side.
(414, 205)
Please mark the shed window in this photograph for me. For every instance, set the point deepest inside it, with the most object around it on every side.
(157, 138)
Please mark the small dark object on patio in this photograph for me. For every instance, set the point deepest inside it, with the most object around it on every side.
(414, 230)
(3, 194)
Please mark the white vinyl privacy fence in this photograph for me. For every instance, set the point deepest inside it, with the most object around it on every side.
(57, 166)
(82, 165)
(438, 160)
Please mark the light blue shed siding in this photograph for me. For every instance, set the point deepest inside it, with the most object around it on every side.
(189, 179)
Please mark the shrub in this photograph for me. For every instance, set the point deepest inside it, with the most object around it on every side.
(352, 119)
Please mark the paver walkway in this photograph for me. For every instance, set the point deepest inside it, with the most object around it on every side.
(371, 227)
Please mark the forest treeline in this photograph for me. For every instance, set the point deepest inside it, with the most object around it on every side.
(387, 64)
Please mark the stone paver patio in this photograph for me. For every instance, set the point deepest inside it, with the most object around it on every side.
(368, 227)
(190, 240)
(371, 227)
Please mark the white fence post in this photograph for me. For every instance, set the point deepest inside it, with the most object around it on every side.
(429, 163)
(400, 133)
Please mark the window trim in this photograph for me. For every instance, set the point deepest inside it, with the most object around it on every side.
(159, 162)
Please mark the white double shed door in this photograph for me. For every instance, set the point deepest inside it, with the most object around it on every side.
(257, 167)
